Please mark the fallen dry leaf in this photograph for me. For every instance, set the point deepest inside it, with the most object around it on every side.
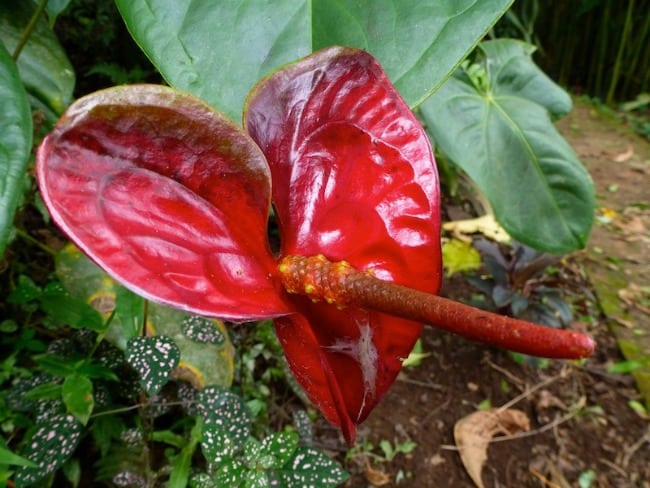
(374, 476)
(624, 156)
(474, 432)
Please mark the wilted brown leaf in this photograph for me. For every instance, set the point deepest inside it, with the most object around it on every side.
(474, 432)
(624, 156)
(374, 476)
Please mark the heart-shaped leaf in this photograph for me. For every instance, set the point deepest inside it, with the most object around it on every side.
(354, 179)
(539, 190)
(153, 358)
(15, 142)
(419, 43)
(77, 393)
(166, 195)
(49, 447)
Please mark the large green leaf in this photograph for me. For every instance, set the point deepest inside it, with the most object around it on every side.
(219, 50)
(490, 121)
(15, 142)
(43, 65)
(418, 43)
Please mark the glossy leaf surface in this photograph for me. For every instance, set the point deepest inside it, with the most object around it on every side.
(419, 42)
(15, 142)
(218, 50)
(167, 196)
(43, 65)
(505, 141)
(354, 179)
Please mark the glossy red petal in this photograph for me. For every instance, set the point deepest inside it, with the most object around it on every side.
(168, 196)
(354, 178)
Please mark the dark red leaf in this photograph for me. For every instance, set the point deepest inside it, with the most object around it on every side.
(354, 179)
(168, 196)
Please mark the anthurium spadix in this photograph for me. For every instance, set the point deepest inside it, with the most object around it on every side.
(172, 199)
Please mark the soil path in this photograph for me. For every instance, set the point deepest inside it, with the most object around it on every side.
(582, 429)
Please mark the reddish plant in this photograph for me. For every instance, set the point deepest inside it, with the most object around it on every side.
(172, 199)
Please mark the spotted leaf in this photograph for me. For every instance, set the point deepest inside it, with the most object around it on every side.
(201, 329)
(276, 449)
(49, 447)
(310, 467)
(153, 358)
(226, 411)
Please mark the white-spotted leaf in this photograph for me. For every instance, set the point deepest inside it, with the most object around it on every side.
(203, 330)
(277, 449)
(216, 445)
(202, 480)
(49, 447)
(153, 358)
(310, 467)
(225, 410)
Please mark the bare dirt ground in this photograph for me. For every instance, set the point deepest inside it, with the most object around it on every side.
(583, 432)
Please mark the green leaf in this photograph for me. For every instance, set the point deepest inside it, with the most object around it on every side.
(15, 142)
(129, 308)
(26, 291)
(46, 391)
(62, 307)
(43, 65)
(153, 358)
(514, 73)
(219, 65)
(182, 463)
(57, 365)
(77, 393)
(49, 447)
(540, 192)
(8, 457)
(418, 43)
(54, 8)
(310, 467)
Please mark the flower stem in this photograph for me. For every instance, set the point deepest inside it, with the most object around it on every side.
(342, 285)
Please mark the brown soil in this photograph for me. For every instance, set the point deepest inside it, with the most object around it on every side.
(581, 424)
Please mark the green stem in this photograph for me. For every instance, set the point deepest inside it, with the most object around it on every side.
(24, 235)
(29, 29)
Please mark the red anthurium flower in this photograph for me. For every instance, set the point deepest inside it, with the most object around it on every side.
(172, 199)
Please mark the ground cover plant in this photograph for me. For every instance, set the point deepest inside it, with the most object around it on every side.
(149, 181)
